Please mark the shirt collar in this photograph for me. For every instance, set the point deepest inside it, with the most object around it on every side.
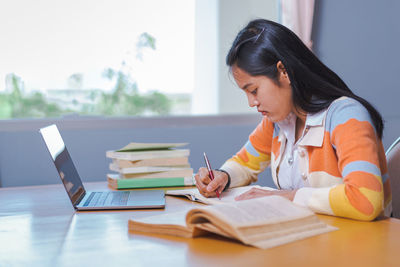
(316, 119)
(315, 130)
(315, 127)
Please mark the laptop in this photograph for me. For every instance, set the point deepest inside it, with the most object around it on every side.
(88, 200)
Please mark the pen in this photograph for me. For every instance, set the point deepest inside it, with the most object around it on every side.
(210, 172)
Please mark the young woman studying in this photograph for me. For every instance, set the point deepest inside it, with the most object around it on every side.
(321, 141)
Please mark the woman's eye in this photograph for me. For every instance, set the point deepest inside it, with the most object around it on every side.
(253, 92)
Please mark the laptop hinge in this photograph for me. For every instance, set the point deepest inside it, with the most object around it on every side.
(79, 199)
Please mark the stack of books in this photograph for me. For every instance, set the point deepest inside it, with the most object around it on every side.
(145, 165)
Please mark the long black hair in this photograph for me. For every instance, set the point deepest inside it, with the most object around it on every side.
(262, 44)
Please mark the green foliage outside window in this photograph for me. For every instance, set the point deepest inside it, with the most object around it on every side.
(124, 99)
(16, 104)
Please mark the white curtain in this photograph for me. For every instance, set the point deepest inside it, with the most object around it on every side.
(297, 15)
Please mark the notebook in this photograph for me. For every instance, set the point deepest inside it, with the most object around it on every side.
(87, 200)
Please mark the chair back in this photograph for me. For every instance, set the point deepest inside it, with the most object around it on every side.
(393, 163)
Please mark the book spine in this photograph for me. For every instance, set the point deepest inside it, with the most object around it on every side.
(147, 154)
(182, 161)
(145, 169)
(154, 182)
(163, 174)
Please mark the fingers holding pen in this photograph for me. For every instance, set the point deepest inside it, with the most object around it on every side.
(208, 187)
(219, 182)
(204, 183)
(202, 180)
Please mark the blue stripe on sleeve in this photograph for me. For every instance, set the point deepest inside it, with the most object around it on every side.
(343, 110)
(361, 165)
(249, 148)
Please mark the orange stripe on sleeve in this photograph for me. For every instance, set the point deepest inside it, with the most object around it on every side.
(359, 143)
(349, 201)
(358, 200)
(364, 179)
(243, 155)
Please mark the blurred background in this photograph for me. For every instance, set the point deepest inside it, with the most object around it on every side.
(113, 72)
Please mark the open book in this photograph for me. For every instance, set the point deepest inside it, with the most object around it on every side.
(261, 222)
(226, 196)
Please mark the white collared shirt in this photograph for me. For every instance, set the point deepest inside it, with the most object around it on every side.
(290, 176)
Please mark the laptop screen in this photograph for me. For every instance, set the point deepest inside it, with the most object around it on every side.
(63, 162)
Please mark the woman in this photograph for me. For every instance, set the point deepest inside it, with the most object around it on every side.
(322, 142)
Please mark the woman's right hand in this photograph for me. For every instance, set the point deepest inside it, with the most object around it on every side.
(207, 187)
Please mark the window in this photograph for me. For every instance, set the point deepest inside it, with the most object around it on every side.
(120, 57)
(94, 57)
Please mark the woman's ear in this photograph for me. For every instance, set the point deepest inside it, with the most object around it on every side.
(281, 67)
(282, 74)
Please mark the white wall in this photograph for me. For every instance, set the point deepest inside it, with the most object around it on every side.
(24, 159)
(217, 24)
(233, 16)
(205, 94)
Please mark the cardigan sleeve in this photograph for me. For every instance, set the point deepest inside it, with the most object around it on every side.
(360, 160)
(253, 157)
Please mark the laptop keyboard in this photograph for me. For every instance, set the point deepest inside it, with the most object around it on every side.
(101, 199)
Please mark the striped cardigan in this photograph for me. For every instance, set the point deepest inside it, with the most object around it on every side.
(342, 162)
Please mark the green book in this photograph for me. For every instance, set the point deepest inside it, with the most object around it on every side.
(129, 183)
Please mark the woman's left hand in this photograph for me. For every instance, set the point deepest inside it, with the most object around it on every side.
(257, 192)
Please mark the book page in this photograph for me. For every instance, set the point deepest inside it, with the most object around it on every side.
(211, 228)
(261, 222)
(267, 238)
(257, 211)
(169, 223)
(226, 196)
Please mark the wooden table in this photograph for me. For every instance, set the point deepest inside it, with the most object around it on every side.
(39, 227)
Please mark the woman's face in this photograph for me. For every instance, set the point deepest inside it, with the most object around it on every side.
(272, 100)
